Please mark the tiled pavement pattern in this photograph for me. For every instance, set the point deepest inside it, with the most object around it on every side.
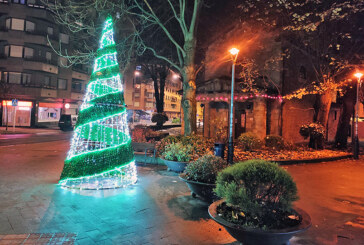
(37, 238)
(159, 209)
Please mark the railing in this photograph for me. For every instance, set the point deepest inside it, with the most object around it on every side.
(42, 60)
(42, 33)
(34, 85)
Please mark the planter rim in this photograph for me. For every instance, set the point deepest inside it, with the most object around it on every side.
(181, 176)
(172, 161)
(306, 222)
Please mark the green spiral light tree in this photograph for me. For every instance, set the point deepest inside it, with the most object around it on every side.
(101, 155)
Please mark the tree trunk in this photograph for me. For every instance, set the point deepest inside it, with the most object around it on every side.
(325, 100)
(343, 127)
(189, 89)
(162, 82)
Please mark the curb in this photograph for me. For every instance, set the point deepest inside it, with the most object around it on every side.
(316, 160)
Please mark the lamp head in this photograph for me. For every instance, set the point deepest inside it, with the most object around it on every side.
(234, 51)
(358, 75)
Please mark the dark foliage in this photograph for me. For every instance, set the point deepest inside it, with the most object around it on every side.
(259, 192)
(205, 169)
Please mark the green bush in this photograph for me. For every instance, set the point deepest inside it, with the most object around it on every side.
(159, 118)
(176, 120)
(200, 145)
(249, 142)
(274, 141)
(177, 152)
(205, 169)
(160, 146)
(258, 189)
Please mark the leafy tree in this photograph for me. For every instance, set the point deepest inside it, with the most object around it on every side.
(142, 26)
(326, 34)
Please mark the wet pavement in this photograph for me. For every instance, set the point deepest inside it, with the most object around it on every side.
(31, 138)
(159, 208)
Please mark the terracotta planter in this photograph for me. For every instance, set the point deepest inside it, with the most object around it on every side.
(203, 190)
(250, 236)
(175, 166)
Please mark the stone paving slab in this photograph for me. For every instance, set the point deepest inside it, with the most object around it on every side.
(38, 238)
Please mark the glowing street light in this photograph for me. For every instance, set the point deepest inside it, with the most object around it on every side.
(356, 137)
(175, 76)
(137, 73)
(234, 51)
(234, 55)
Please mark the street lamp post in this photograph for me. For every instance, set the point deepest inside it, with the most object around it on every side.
(234, 54)
(356, 137)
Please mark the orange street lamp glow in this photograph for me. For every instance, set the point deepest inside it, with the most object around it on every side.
(234, 51)
(358, 75)
(137, 73)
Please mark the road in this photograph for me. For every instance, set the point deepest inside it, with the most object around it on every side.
(17, 139)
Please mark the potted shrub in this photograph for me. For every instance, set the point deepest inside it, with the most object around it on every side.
(200, 176)
(176, 156)
(256, 206)
(200, 146)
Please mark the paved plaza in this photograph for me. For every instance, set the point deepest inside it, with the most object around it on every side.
(159, 208)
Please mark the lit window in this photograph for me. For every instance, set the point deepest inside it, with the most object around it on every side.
(28, 52)
(50, 31)
(64, 38)
(62, 84)
(16, 51)
(29, 26)
(48, 56)
(26, 78)
(62, 61)
(136, 103)
(14, 77)
(8, 23)
(6, 50)
(19, 1)
(17, 24)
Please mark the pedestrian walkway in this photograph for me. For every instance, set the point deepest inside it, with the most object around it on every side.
(159, 208)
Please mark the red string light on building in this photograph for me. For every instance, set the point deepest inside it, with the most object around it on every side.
(238, 97)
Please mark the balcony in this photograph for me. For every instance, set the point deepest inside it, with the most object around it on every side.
(79, 76)
(40, 65)
(76, 96)
(51, 93)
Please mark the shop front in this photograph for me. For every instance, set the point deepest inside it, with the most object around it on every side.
(49, 113)
(20, 114)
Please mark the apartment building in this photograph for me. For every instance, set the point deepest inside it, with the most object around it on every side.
(41, 81)
(141, 100)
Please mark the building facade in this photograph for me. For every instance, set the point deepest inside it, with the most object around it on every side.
(31, 72)
(140, 98)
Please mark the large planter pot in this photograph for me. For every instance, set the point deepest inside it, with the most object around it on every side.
(175, 166)
(257, 236)
(203, 190)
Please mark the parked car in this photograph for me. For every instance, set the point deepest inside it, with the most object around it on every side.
(67, 122)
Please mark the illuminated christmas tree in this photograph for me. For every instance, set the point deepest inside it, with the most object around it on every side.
(101, 155)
